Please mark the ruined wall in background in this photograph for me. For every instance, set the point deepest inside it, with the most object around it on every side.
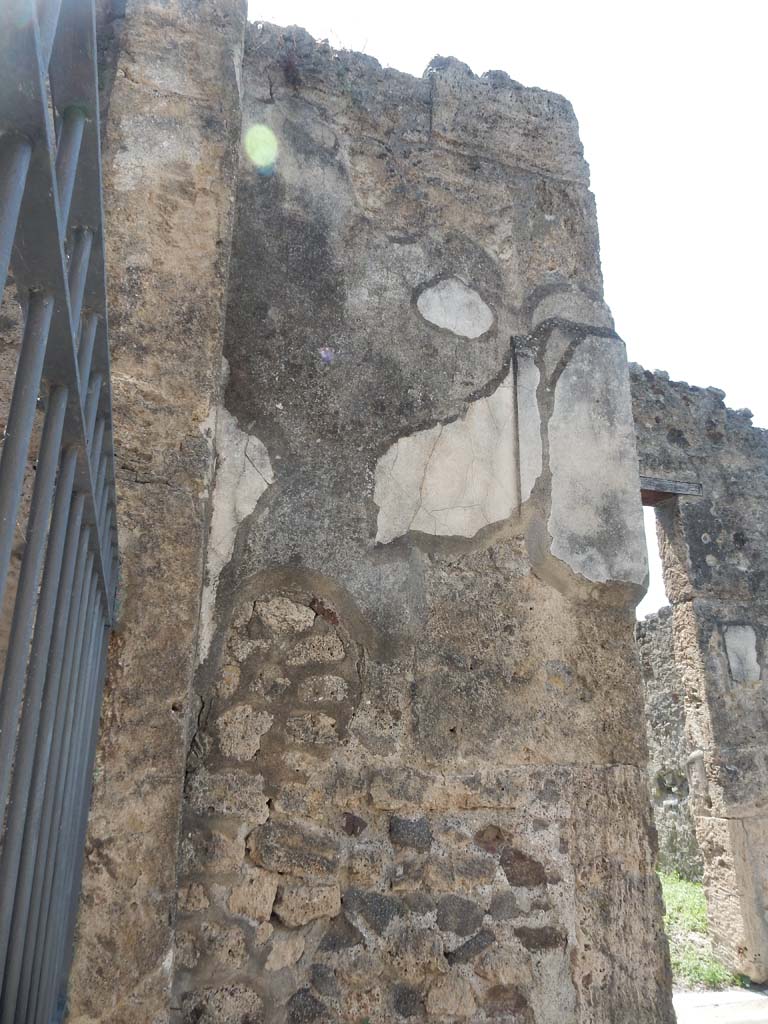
(416, 787)
(714, 551)
(170, 74)
(668, 751)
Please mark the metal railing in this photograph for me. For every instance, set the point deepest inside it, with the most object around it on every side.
(64, 573)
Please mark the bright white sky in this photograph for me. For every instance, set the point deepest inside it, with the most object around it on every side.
(672, 103)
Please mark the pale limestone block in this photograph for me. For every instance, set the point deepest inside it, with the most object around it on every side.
(323, 688)
(236, 792)
(255, 897)
(504, 967)
(312, 727)
(300, 903)
(282, 615)
(320, 648)
(240, 730)
(451, 996)
(229, 680)
(287, 948)
(225, 945)
(242, 647)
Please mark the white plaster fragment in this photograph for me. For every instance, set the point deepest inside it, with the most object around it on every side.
(243, 473)
(455, 478)
(596, 520)
(454, 306)
(741, 648)
(574, 306)
(529, 425)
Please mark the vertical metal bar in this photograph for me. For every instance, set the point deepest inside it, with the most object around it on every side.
(78, 272)
(101, 669)
(57, 760)
(102, 495)
(66, 852)
(97, 444)
(67, 154)
(48, 746)
(106, 519)
(60, 627)
(99, 498)
(20, 420)
(85, 349)
(15, 154)
(74, 795)
(92, 407)
(48, 22)
(32, 712)
(74, 712)
(24, 609)
(59, 835)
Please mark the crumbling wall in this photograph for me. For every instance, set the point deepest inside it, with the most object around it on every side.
(668, 751)
(715, 555)
(169, 159)
(416, 787)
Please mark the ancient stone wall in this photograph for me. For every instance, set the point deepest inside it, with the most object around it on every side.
(714, 551)
(169, 157)
(668, 751)
(416, 786)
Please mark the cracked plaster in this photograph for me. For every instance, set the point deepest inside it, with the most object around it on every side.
(455, 478)
(243, 473)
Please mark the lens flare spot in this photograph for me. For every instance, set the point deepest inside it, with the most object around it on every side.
(261, 146)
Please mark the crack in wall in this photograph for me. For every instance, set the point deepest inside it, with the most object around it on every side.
(243, 474)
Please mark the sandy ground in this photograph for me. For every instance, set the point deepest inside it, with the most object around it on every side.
(733, 1006)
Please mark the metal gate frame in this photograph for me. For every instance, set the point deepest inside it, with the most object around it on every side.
(51, 235)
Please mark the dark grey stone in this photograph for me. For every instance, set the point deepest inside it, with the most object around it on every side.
(353, 825)
(374, 908)
(541, 938)
(472, 947)
(341, 934)
(407, 1001)
(504, 906)
(303, 1007)
(324, 981)
(521, 869)
(457, 915)
(412, 832)
(418, 902)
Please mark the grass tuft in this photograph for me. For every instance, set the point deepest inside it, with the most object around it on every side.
(685, 921)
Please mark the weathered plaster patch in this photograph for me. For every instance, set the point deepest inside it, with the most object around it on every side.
(596, 520)
(455, 307)
(574, 306)
(455, 478)
(741, 648)
(243, 473)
